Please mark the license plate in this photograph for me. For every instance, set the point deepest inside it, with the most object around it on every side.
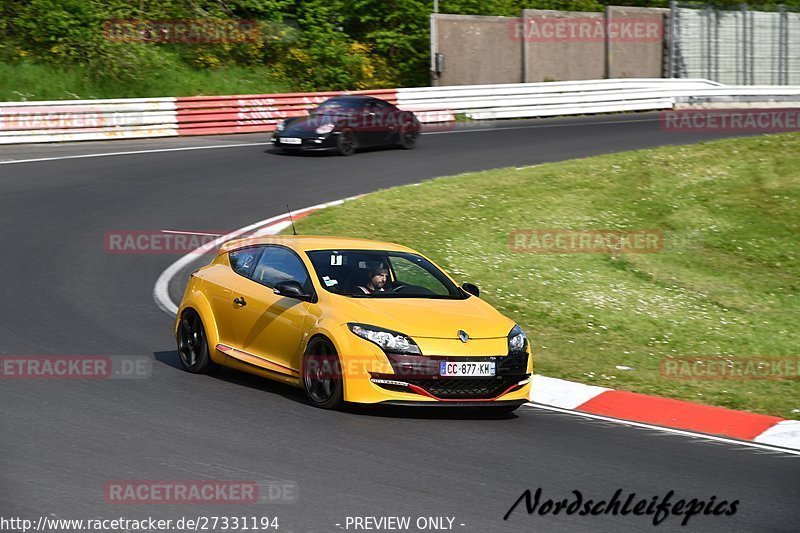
(291, 140)
(466, 369)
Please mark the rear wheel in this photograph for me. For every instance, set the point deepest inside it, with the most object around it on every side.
(322, 375)
(408, 138)
(193, 344)
(347, 144)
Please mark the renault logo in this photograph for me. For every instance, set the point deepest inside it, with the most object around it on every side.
(463, 335)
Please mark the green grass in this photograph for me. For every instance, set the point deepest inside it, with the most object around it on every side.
(726, 284)
(37, 81)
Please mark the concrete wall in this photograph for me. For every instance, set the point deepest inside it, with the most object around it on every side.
(638, 58)
(544, 45)
(477, 50)
(554, 52)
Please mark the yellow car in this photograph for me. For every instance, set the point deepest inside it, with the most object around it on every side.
(351, 320)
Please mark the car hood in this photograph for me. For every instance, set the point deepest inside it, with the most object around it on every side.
(431, 318)
(308, 124)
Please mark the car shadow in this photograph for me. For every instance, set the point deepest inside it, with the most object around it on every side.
(235, 377)
(299, 153)
(328, 153)
(429, 413)
(170, 358)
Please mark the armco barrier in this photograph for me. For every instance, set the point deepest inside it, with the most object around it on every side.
(76, 120)
(32, 122)
(209, 115)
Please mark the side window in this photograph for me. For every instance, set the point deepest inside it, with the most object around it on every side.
(244, 261)
(279, 264)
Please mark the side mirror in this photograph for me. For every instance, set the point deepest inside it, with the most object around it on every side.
(291, 289)
(471, 288)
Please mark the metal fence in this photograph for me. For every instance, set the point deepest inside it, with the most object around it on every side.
(737, 46)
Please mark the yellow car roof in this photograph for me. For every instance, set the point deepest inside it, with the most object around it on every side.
(302, 243)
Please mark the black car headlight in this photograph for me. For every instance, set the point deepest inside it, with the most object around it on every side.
(280, 126)
(517, 341)
(389, 341)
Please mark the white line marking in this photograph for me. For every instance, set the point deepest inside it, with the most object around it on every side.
(682, 432)
(265, 143)
(132, 152)
(161, 287)
(191, 232)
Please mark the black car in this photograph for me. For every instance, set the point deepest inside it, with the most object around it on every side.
(346, 123)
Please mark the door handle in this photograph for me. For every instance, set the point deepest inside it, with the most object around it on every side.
(240, 301)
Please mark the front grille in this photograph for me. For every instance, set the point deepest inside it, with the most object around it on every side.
(423, 371)
(466, 388)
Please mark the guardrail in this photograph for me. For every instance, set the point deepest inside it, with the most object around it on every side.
(36, 122)
(208, 115)
(77, 120)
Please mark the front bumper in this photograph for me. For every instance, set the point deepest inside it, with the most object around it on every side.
(315, 143)
(420, 382)
(498, 403)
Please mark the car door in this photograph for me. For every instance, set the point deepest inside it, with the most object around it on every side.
(267, 326)
(370, 130)
(388, 120)
(218, 283)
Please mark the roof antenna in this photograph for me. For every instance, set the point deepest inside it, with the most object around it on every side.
(294, 231)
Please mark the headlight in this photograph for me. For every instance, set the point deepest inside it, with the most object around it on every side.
(389, 341)
(517, 341)
(280, 126)
(325, 128)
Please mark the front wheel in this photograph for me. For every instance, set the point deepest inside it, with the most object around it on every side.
(193, 344)
(347, 144)
(322, 375)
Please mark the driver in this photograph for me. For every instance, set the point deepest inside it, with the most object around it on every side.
(377, 276)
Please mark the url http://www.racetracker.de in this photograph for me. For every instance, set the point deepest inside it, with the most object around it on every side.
(47, 524)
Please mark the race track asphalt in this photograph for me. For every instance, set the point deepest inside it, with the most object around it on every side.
(62, 441)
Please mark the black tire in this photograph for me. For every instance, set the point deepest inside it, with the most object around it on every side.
(408, 138)
(193, 344)
(347, 144)
(322, 375)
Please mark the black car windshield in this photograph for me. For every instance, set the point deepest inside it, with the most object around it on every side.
(381, 274)
(339, 106)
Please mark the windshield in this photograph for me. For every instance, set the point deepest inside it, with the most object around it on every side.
(381, 274)
(340, 106)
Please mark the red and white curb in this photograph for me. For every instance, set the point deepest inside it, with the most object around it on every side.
(716, 423)
(666, 412)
